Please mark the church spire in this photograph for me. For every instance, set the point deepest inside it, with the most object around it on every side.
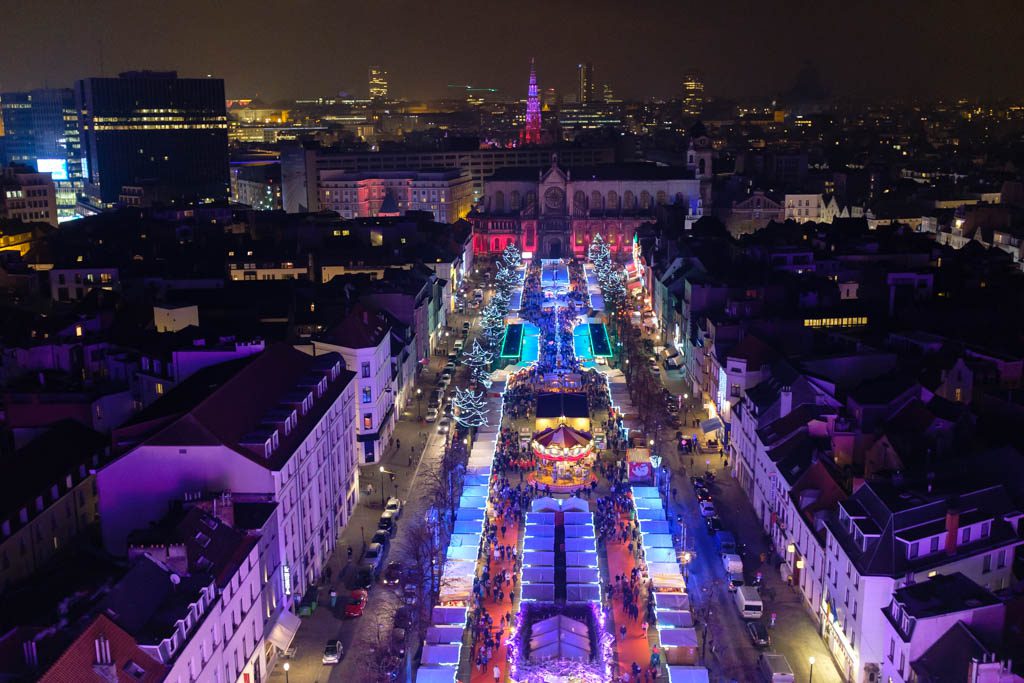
(531, 131)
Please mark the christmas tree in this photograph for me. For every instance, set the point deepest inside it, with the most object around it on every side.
(470, 408)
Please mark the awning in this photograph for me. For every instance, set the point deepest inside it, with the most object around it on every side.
(634, 284)
(712, 425)
(284, 630)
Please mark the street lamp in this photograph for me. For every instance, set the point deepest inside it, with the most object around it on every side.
(810, 675)
(419, 403)
(287, 666)
(383, 471)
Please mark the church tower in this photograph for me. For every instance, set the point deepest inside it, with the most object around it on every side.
(530, 134)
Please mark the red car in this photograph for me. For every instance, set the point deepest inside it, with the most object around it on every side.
(356, 604)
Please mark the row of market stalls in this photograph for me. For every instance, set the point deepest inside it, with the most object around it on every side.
(442, 648)
(579, 547)
(675, 628)
(593, 288)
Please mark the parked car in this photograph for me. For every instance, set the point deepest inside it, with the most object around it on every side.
(356, 604)
(450, 367)
(714, 524)
(703, 495)
(404, 617)
(388, 522)
(333, 652)
(466, 325)
(443, 381)
(735, 581)
(364, 577)
(436, 397)
(392, 574)
(398, 639)
(758, 634)
(707, 508)
(431, 415)
(383, 537)
(374, 556)
(394, 506)
(444, 425)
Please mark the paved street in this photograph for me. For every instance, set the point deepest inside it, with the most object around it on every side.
(729, 653)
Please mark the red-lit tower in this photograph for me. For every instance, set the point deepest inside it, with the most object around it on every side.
(530, 134)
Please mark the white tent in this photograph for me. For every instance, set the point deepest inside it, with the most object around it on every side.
(463, 552)
(657, 514)
(578, 518)
(665, 576)
(539, 543)
(582, 575)
(579, 531)
(468, 526)
(674, 618)
(687, 674)
(647, 504)
(470, 539)
(472, 502)
(441, 654)
(448, 616)
(538, 558)
(646, 492)
(445, 634)
(582, 592)
(544, 504)
(559, 637)
(575, 504)
(657, 541)
(476, 514)
(538, 591)
(659, 555)
(475, 480)
(579, 544)
(668, 600)
(538, 575)
(539, 530)
(457, 580)
(541, 518)
(651, 526)
(678, 637)
(437, 674)
(581, 559)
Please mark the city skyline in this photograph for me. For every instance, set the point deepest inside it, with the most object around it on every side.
(743, 49)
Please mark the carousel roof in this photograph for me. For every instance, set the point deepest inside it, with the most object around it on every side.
(562, 436)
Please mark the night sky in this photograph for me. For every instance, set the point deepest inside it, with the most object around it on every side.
(304, 48)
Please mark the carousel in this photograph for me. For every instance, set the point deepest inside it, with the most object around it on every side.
(564, 457)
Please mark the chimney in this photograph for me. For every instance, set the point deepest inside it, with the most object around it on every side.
(366, 318)
(102, 649)
(952, 527)
(785, 401)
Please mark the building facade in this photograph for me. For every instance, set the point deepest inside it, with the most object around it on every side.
(27, 197)
(153, 129)
(447, 194)
(278, 426)
(556, 212)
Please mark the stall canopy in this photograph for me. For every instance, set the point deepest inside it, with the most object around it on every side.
(579, 531)
(538, 574)
(448, 616)
(646, 492)
(665, 576)
(437, 674)
(674, 618)
(687, 674)
(657, 541)
(538, 558)
(441, 653)
(665, 600)
(544, 592)
(559, 637)
(541, 518)
(582, 592)
(575, 504)
(469, 539)
(657, 514)
(539, 530)
(539, 543)
(476, 514)
(581, 559)
(457, 580)
(468, 527)
(284, 630)
(577, 518)
(578, 544)
(582, 575)
(678, 637)
(660, 555)
(545, 504)
(712, 425)
(463, 552)
(651, 526)
(447, 634)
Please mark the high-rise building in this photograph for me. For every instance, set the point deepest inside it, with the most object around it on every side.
(39, 128)
(155, 131)
(378, 83)
(693, 93)
(585, 85)
(531, 131)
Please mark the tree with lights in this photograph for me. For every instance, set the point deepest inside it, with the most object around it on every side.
(492, 320)
(512, 256)
(470, 408)
(506, 279)
(478, 359)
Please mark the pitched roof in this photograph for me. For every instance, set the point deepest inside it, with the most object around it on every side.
(362, 328)
(754, 351)
(948, 660)
(78, 663)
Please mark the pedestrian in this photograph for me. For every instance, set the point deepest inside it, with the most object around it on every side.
(398, 444)
(622, 632)
(497, 673)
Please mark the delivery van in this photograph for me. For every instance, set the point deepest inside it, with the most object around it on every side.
(733, 563)
(748, 602)
(775, 668)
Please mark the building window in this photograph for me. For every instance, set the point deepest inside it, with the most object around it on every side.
(912, 551)
(366, 369)
(986, 529)
(958, 394)
(934, 546)
(967, 535)
(986, 564)
(367, 420)
(1001, 559)
(367, 395)
(159, 388)
(892, 648)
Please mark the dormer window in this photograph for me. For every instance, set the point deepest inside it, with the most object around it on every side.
(307, 403)
(986, 529)
(321, 387)
(913, 550)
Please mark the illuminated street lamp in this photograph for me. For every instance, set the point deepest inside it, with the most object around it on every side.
(287, 666)
(419, 403)
(810, 675)
(383, 471)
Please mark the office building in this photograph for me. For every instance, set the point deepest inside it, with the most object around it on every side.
(693, 94)
(27, 196)
(445, 193)
(256, 184)
(378, 83)
(39, 128)
(585, 83)
(303, 164)
(153, 130)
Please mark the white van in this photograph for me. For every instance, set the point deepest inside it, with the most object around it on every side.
(775, 668)
(748, 602)
(732, 563)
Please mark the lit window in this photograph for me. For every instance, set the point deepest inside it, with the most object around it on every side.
(159, 388)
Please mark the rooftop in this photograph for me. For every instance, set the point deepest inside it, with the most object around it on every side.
(128, 662)
(943, 594)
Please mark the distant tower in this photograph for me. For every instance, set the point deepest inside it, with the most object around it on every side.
(378, 83)
(531, 131)
(693, 94)
(585, 91)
